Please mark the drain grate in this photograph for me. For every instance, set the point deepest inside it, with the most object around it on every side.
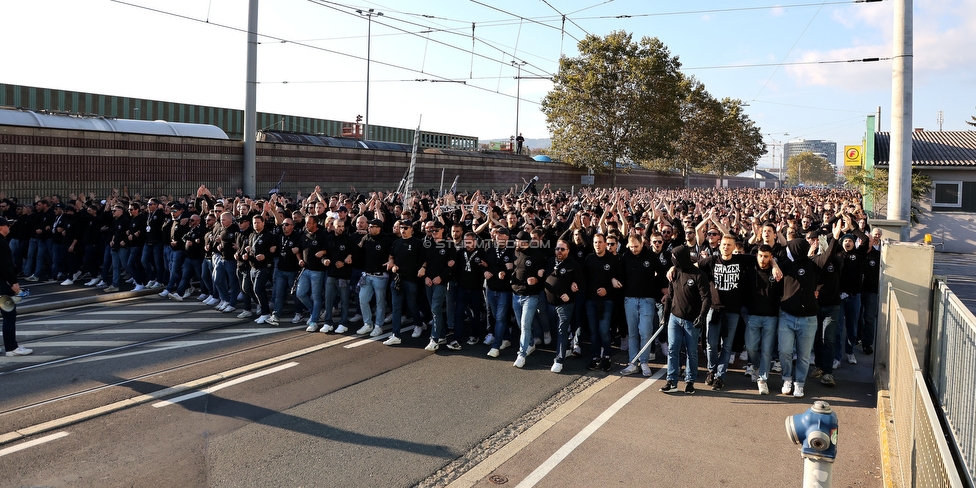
(497, 479)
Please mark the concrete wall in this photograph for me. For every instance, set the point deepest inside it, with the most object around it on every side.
(957, 228)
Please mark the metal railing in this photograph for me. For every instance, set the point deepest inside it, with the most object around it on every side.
(952, 369)
(925, 457)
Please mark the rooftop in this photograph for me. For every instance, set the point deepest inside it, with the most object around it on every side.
(943, 149)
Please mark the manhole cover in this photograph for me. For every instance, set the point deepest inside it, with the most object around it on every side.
(498, 479)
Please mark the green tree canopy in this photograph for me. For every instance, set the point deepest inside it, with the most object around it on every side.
(877, 185)
(618, 101)
(808, 168)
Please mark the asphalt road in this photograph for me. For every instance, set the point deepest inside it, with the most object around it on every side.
(283, 407)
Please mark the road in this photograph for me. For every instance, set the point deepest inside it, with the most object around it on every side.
(250, 405)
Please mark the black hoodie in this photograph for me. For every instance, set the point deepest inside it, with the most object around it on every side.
(689, 290)
(800, 277)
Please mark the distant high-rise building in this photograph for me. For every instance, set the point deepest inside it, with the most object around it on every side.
(824, 149)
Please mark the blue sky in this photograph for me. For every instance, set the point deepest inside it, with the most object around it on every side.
(311, 60)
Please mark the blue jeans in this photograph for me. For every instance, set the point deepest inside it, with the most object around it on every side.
(796, 333)
(59, 256)
(763, 328)
(825, 345)
(192, 266)
(499, 304)
(869, 314)
(437, 297)
(333, 286)
(309, 292)
(408, 292)
(207, 277)
(525, 307)
(176, 259)
(720, 326)
(108, 263)
(851, 315)
(130, 257)
(598, 312)
(560, 315)
(116, 267)
(154, 263)
(283, 281)
(225, 280)
(682, 334)
(640, 314)
(374, 286)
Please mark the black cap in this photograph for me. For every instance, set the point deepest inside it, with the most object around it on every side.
(4, 221)
(438, 225)
(59, 205)
(376, 222)
(523, 236)
(343, 209)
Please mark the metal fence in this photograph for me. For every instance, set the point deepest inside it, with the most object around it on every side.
(952, 368)
(925, 457)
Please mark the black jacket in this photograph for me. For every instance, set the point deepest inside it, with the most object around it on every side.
(689, 294)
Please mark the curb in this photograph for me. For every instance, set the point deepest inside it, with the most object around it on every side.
(75, 302)
(889, 457)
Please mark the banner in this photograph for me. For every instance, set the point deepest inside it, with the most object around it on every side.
(413, 163)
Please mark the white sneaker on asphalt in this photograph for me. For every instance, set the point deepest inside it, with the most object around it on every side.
(493, 353)
(432, 346)
(798, 390)
(76, 275)
(203, 297)
(365, 329)
(101, 284)
(262, 319)
(388, 319)
(297, 319)
(312, 327)
(629, 370)
(356, 318)
(341, 329)
(326, 329)
(392, 341)
(229, 308)
(188, 292)
(851, 359)
(111, 289)
(151, 284)
(519, 361)
(530, 350)
(787, 387)
(176, 296)
(489, 339)
(744, 356)
(245, 314)
(418, 331)
(377, 330)
(139, 288)
(763, 387)
(67, 282)
(92, 282)
(556, 367)
(837, 364)
(645, 370)
(505, 344)
(212, 301)
(273, 320)
(20, 351)
(547, 338)
(164, 293)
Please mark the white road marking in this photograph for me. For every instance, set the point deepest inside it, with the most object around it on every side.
(81, 343)
(40, 333)
(236, 381)
(567, 449)
(223, 320)
(80, 322)
(35, 442)
(136, 331)
(167, 311)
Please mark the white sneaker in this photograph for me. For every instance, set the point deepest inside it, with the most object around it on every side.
(92, 282)
(798, 390)
(356, 318)
(240, 296)
(505, 344)
(749, 370)
(556, 367)
(432, 346)
(519, 361)
(744, 356)
(629, 370)
(297, 319)
(101, 284)
(273, 319)
(245, 314)
(211, 301)
(158, 285)
(493, 353)
(188, 292)
(851, 359)
(392, 341)
(176, 296)
(164, 293)
(377, 330)
(220, 306)
(229, 309)
(262, 319)
(341, 329)
(67, 282)
(547, 338)
(76, 275)
(777, 367)
(490, 338)
(837, 364)
(418, 330)
(312, 327)
(20, 351)
(388, 319)
(139, 288)
(326, 329)
(365, 329)
(530, 350)
(151, 284)
(645, 370)
(763, 388)
(787, 387)
(203, 297)
(651, 356)
(624, 344)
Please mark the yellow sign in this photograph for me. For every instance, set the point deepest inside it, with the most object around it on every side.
(852, 156)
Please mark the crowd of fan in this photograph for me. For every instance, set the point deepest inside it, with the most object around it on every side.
(780, 275)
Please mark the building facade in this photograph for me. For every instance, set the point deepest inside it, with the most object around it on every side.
(824, 149)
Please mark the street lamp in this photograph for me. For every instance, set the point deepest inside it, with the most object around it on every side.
(369, 38)
(518, 93)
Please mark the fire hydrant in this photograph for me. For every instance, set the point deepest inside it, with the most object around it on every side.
(816, 432)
